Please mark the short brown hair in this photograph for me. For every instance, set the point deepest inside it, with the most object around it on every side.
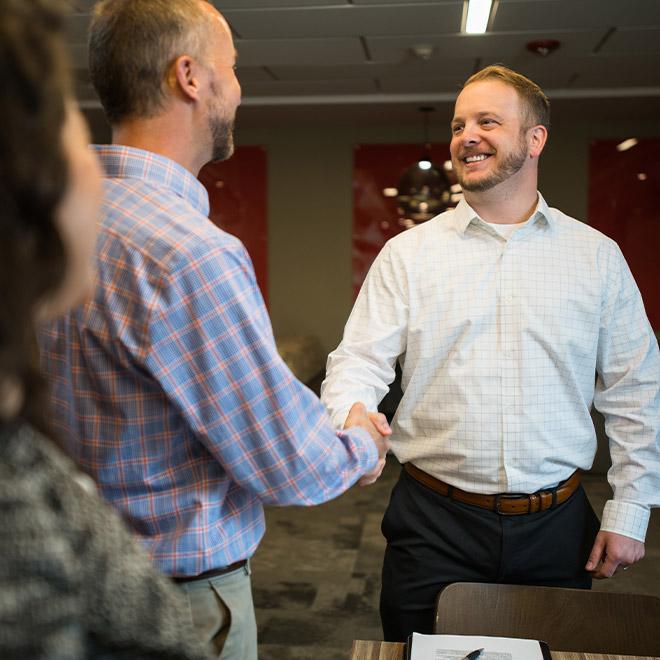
(132, 44)
(537, 106)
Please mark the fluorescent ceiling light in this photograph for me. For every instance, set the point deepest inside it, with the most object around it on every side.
(478, 13)
(626, 144)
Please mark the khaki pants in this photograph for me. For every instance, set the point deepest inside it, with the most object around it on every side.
(223, 614)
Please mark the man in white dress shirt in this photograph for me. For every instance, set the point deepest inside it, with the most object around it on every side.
(509, 319)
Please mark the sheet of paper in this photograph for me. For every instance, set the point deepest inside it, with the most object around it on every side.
(456, 647)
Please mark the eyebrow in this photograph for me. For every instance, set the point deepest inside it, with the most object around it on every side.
(480, 115)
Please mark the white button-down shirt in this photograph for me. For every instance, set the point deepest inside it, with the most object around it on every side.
(504, 346)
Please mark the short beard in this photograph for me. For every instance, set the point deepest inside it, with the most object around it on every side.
(221, 127)
(222, 134)
(511, 165)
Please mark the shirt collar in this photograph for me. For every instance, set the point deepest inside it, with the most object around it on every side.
(464, 215)
(123, 162)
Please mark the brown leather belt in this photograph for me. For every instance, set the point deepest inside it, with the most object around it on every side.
(506, 504)
(212, 573)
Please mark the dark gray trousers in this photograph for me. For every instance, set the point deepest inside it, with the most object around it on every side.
(433, 540)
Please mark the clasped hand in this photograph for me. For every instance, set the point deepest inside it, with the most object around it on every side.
(378, 428)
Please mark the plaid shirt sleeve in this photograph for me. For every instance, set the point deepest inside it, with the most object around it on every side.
(213, 353)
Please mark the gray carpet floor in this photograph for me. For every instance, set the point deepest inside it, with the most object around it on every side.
(316, 575)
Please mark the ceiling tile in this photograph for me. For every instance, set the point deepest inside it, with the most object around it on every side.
(408, 2)
(278, 52)
(247, 74)
(345, 21)
(634, 40)
(310, 87)
(223, 5)
(617, 71)
(412, 68)
(569, 14)
(426, 85)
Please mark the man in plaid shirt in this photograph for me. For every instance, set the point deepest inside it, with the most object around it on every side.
(167, 386)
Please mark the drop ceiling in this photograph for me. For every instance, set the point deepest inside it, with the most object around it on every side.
(321, 59)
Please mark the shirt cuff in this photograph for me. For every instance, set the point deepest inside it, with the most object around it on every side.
(361, 438)
(625, 518)
(338, 418)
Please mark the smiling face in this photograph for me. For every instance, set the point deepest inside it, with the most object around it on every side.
(489, 135)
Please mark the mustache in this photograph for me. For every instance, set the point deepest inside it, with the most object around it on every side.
(464, 153)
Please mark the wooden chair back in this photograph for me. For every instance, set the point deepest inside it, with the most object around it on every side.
(567, 619)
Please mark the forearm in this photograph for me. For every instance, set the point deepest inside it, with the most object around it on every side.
(295, 456)
(350, 378)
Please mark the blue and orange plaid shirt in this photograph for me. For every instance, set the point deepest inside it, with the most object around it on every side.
(168, 389)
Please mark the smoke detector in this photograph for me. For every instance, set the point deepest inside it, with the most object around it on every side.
(422, 51)
(543, 47)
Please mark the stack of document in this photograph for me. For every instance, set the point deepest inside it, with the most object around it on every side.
(471, 647)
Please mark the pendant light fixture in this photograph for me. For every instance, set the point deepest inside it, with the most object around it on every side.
(424, 189)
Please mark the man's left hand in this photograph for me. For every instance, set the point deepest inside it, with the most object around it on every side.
(613, 552)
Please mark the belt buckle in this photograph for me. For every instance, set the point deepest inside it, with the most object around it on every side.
(510, 496)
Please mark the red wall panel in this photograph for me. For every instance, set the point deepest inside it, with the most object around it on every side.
(238, 192)
(375, 217)
(624, 190)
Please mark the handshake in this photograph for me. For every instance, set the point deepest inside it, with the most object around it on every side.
(376, 424)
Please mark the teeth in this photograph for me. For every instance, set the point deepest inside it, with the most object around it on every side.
(474, 159)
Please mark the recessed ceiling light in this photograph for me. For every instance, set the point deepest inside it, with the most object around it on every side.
(476, 15)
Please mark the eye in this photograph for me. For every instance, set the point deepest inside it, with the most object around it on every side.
(488, 122)
(456, 129)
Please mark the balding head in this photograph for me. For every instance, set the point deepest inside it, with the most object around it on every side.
(133, 44)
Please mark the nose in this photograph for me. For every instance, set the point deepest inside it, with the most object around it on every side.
(470, 135)
(238, 94)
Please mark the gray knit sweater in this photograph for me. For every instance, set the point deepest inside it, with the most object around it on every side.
(73, 581)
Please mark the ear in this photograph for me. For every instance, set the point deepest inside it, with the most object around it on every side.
(184, 76)
(536, 138)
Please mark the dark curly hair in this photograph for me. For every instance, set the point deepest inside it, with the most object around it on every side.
(33, 178)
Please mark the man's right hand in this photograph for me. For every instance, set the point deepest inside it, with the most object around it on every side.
(378, 428)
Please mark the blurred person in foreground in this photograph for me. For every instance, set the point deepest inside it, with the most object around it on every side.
(510, 319)
(74, 583)
(167, 385)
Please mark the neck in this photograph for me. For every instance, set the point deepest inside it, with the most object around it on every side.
(505, 211)
(510, 202)
(165, 135)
